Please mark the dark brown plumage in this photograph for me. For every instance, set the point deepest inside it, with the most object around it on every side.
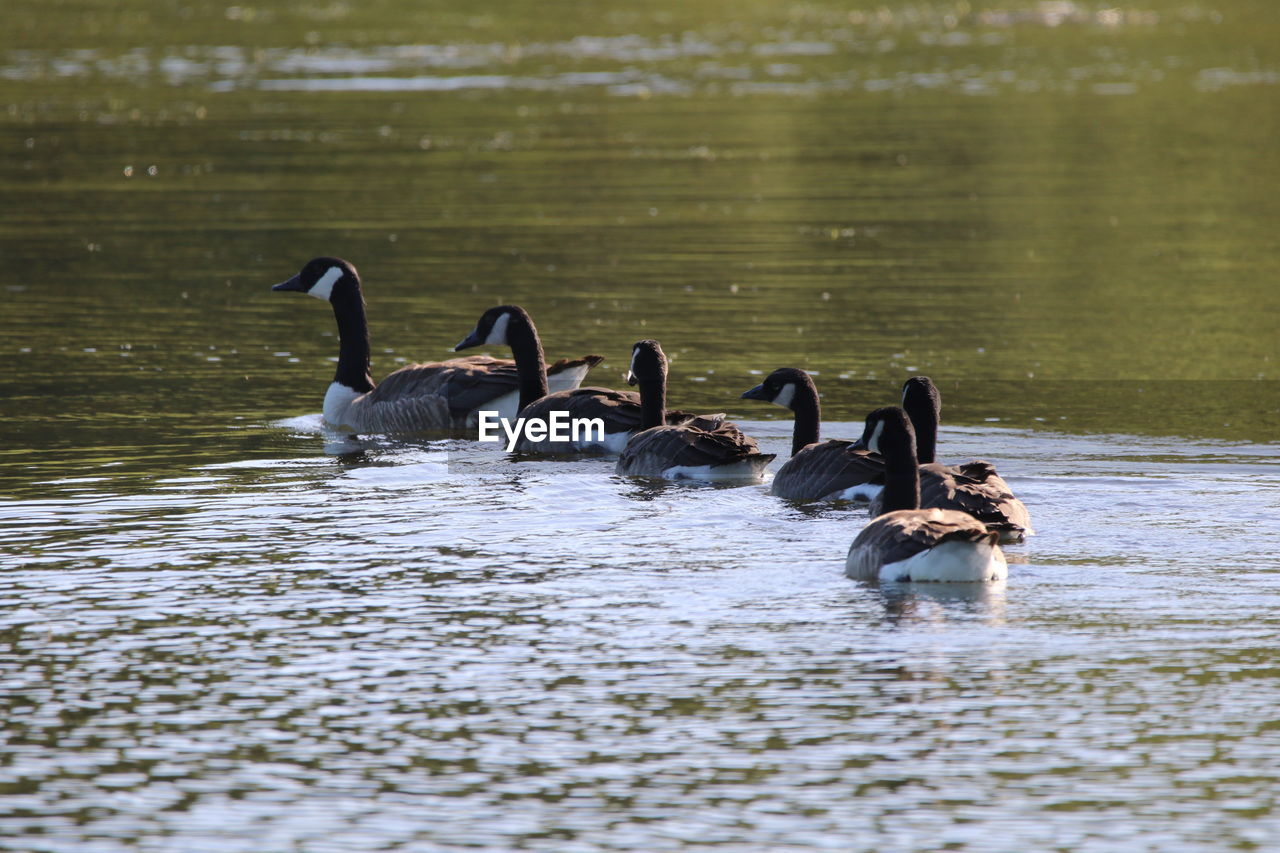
(830, 470)
(908, 543)
(973, 487)
(420, 397)
(701, 448)
(447, 393)
(896, 537)
(686, 451)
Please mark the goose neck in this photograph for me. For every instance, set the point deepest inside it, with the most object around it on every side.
(924, 419)
(353, 342)
(808, 416)
(653, 402)
(901, 481)
(531, 362)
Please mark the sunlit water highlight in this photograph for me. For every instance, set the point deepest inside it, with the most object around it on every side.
(222, 630)
(440, 644)
(823, 50)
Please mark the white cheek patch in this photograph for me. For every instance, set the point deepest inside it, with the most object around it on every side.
(498, 334)
(786, 395)
(323, 288)
(874, 444)
(631, 371)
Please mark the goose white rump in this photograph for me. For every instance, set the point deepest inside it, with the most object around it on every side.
(926, 546)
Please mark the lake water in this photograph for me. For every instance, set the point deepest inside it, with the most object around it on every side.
(220, 632)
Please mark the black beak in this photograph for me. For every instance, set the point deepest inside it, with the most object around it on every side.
(757, 393)
(859, 445)
(631, 378)
(294, 283)
(471, 340)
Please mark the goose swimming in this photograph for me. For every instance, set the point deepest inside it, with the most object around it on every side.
(418, 397)
(906, 543)
(686, 451)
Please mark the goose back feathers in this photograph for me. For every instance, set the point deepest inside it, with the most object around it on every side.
(687, 452)
(446, 395)
(924, 545)
(699, 449)
(832, 470)
(976, 489)
(907, 543)
(973, 487)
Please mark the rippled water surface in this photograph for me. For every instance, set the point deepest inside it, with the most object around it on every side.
(221, 630)
(438, 645)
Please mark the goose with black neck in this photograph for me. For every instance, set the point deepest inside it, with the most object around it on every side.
(618, 413)
(828, 470)
(418, 397)
(909, 544)
(973, 487)
(686, 451)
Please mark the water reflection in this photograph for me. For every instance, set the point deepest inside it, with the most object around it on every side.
(931, 605)
(278, 626)
(838, 52)
(225, 632)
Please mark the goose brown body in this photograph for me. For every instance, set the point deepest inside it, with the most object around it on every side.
(973, 487)
(696, 449)
(817, 470)
(910, 544)
(445, 395)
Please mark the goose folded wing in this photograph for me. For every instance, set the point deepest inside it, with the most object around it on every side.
(975, 488)
(900, 535)
(467, 383)
(464, 384)
(693, 448)
(827, 468)
(476, 380)
(587, 361)
(679, 417)
(620, 410)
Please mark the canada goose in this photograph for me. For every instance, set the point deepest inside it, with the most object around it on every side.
(619, 411)
(432, 396)
(688, 451)
(973, 487)
(832, 470)
(907, 543)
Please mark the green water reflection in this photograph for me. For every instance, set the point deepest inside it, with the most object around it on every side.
(1063, 212)
(1046, 207)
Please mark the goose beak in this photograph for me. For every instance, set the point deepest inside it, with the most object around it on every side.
(631, 378)
(757, 393)
(294, 283)
(859, 445)
(471, 340)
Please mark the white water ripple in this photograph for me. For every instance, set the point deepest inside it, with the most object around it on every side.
(441, 645)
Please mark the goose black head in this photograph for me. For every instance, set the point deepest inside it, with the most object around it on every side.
(492, 328)
(324, 278)
(779, 387)
(919, 391)
(888, 431)
(648, 363)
